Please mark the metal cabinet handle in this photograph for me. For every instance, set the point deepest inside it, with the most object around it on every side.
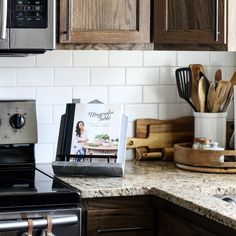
(120, 229)
(3, 19)
(217, 22)
(38, 223)
(69, 17)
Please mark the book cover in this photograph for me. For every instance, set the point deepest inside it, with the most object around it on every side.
(96, 131)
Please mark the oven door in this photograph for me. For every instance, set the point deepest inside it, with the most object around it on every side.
(59, 222)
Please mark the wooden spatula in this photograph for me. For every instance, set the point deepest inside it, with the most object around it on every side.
(196, 69)
(233, 79)
(222, 91)
(228, 99)
(211, 96)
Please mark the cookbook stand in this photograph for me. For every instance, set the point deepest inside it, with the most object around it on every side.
(209, 161)
(67, 164)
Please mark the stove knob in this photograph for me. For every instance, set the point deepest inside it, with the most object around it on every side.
(17, 121)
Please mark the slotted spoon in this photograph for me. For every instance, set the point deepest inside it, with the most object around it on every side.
(184, 84)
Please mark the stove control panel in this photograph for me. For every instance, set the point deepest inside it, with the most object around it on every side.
(18, 122)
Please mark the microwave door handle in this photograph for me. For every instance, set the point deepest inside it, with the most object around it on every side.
(3, 12)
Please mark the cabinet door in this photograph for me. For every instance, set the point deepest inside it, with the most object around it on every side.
(105, 21)
(171, 225)
(189, 22)
(127, 216)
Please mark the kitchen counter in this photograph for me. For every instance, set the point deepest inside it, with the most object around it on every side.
(191, 190)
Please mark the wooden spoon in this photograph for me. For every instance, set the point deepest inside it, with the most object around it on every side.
(202, 94)
(218, 76)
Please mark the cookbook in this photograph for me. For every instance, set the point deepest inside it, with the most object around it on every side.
(92, 140)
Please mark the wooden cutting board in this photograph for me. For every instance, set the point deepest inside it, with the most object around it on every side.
(152, 135)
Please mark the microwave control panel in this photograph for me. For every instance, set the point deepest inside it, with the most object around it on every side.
(28, 13)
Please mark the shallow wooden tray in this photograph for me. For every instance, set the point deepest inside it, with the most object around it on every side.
(204, 160)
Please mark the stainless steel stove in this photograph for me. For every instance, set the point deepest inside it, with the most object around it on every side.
(31, 201)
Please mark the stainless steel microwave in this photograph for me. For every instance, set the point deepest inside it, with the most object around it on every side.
(27, 26)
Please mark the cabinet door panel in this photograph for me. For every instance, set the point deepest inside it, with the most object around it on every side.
(104, 15)
(190, 15)
(105, 21)
(179, 227)
(189, 21)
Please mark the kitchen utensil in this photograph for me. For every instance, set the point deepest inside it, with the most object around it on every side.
(196, 69)
(228, 99)
(218, 76)
(211, 96)
(184, 84)
(222, 91)
(203, 86)
(233, 79)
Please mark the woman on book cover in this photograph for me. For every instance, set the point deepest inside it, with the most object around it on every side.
(80, 138)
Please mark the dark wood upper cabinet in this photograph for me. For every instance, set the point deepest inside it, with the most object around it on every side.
(104, 21)
(184, 24)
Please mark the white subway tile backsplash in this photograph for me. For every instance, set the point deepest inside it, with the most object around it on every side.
(87, 94)
(185, 58)
(17, 93)
(167, 75)
(58, 111)
(144, 81)
(125, 58)
(173, 111)
(90, 58)
(223, 58)
(72, 76)
(139, 76)
(44, 153)
(159, 94)
(35, 77)
(107, 76)
(48, 133)
(54, 95)
(125, 94)
(56, 58)
(141, 111)
(12, 62)
(44, 114)
(8, 77)
(160, 58)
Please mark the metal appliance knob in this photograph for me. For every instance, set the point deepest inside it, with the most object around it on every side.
(17, 121)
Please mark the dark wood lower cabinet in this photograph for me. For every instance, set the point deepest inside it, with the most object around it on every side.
(123, 216)
(171, 225)
(145, 216)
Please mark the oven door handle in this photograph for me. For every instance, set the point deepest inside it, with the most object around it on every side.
(3, 19)
(38, 223)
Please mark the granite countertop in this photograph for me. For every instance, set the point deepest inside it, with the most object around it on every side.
(192, 190)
